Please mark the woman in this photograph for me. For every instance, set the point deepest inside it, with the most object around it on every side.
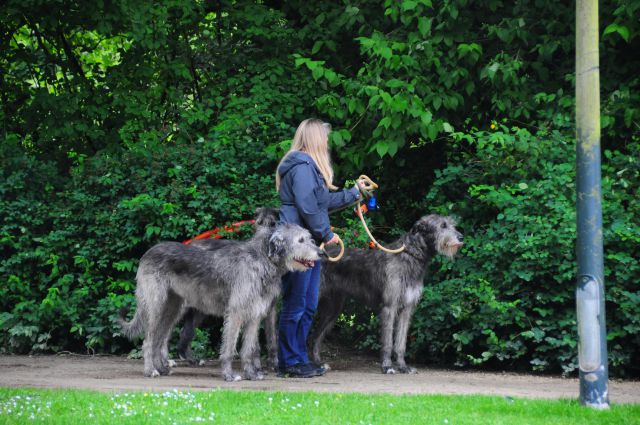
(303, 179)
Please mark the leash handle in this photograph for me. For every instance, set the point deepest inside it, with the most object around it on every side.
(339, 256)
(369, 185)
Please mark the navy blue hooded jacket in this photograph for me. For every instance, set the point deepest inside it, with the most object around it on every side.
(305, 199)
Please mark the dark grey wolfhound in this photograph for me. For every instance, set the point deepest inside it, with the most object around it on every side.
(238, 283)
(390, 284)
(265, 218)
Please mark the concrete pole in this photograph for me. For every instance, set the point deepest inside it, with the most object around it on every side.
(592, 345)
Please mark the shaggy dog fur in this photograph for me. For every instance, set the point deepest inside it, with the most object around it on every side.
(265, 218)
(238, 283)
(390, 284)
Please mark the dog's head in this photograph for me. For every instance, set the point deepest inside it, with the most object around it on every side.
(292, 245)
(439, 233)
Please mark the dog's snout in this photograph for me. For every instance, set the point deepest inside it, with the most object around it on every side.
(460, 238)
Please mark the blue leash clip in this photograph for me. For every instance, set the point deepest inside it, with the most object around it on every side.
(372, 204)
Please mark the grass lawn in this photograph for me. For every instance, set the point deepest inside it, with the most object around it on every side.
(18, 406)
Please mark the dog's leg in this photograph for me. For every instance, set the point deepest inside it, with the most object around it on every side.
(153, 343)
(249, 347)
(230, 332)
(147, 354)
(329, 309)
(166, 320)
(256, 361)
(387, 317)
(271, 334)
(402, 328)
(166, 361)
(192, 320)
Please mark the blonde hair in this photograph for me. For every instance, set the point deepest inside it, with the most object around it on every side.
(312, 137)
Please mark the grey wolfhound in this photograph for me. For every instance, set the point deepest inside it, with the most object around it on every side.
(238, 283)
(265, 218)
(390, 284)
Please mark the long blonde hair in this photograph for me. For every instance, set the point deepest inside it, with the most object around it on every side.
(312, 137)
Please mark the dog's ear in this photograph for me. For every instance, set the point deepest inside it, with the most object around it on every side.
(420, 227)
(276, 244)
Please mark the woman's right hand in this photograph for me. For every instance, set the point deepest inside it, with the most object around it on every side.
(334, 240)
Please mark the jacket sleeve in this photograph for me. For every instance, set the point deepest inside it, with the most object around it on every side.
(305, 193)
(343, 198)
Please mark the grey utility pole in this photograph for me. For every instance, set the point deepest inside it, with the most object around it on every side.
(592, 345)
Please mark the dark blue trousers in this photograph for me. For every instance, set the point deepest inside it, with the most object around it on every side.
(299, 304)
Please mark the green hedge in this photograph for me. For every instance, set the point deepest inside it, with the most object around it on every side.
(125, 125)
(70, 246)
(509, 298)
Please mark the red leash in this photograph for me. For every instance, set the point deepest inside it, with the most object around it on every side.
(215, 233)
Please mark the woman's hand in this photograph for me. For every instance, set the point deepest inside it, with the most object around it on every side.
(360, 184)
(334, 240)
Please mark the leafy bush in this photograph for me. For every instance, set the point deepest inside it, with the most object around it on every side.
(122, 126)
(83, 237)
(508, 299)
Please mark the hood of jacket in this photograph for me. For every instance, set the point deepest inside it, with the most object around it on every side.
(292, 159)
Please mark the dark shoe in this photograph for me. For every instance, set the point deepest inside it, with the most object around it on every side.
(299, 370)
(320, 370)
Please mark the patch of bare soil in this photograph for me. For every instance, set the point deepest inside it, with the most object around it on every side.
(352, 374)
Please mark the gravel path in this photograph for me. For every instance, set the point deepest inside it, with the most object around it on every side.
(106, 373)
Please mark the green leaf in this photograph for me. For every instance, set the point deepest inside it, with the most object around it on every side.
(316, 47)
(437, 102)
(392, 149)
(426, 117)
(317, 72)
(336, 138)
(424, 26)
(382, 148)
(395, 83)
(620, 29)
(409, 5)
(386, 52)
(386, 97)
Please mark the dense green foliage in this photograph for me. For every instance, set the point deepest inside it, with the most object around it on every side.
(131, 122)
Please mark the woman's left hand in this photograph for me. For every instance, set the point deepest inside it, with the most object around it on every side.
(334, 240)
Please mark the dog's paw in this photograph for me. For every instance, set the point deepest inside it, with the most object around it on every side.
(388, 370)
(230, 377)
(171, 363)
(272, 364)
(151, 373)
(326, 367)
(201, 363)
(407, 369)
(257, 376)
(164, 371)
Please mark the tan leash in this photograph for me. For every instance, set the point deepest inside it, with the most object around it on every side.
(339, 256)
(369, 186)
(366, 189)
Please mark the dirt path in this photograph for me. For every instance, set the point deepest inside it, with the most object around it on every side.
(353, 375)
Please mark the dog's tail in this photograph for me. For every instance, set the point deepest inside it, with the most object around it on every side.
(135, 327)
